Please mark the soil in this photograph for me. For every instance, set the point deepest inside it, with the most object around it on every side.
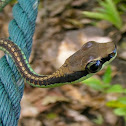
(61, 29)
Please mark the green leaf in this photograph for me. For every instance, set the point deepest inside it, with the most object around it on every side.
(124, 90)
(115, 13)
(120, 111)
(122, 7)
(105, 5)
(99, 120)
(107, 76)
(94, 83)
(122, 100)
(115, 89)
(116, 104)
(116, 1)
(108, 12)
(97, 15)
(51, 115)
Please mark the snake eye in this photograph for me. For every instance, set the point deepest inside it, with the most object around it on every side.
(94, 66)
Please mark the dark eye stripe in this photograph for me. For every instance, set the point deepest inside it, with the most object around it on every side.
(109, 56)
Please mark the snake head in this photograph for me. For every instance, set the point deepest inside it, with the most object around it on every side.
(91, 57)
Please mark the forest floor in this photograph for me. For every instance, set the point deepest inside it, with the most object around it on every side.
(61, 29)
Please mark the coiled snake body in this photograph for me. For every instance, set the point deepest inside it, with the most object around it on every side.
(91, 58)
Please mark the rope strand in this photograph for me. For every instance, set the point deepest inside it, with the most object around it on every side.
(21, 30)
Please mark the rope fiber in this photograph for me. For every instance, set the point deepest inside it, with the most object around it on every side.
(21, 30)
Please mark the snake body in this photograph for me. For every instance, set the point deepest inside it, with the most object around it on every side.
(91, 58)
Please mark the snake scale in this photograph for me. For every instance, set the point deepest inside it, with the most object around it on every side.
(91, 58)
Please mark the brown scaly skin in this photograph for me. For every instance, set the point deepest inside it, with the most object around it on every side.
(72, 70)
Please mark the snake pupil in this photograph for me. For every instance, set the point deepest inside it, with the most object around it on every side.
(94, 66)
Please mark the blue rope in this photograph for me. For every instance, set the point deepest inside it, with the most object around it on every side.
(21, 30)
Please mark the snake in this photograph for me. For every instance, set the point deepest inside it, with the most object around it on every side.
(88, 60)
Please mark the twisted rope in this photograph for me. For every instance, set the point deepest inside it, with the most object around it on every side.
(21, 30)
